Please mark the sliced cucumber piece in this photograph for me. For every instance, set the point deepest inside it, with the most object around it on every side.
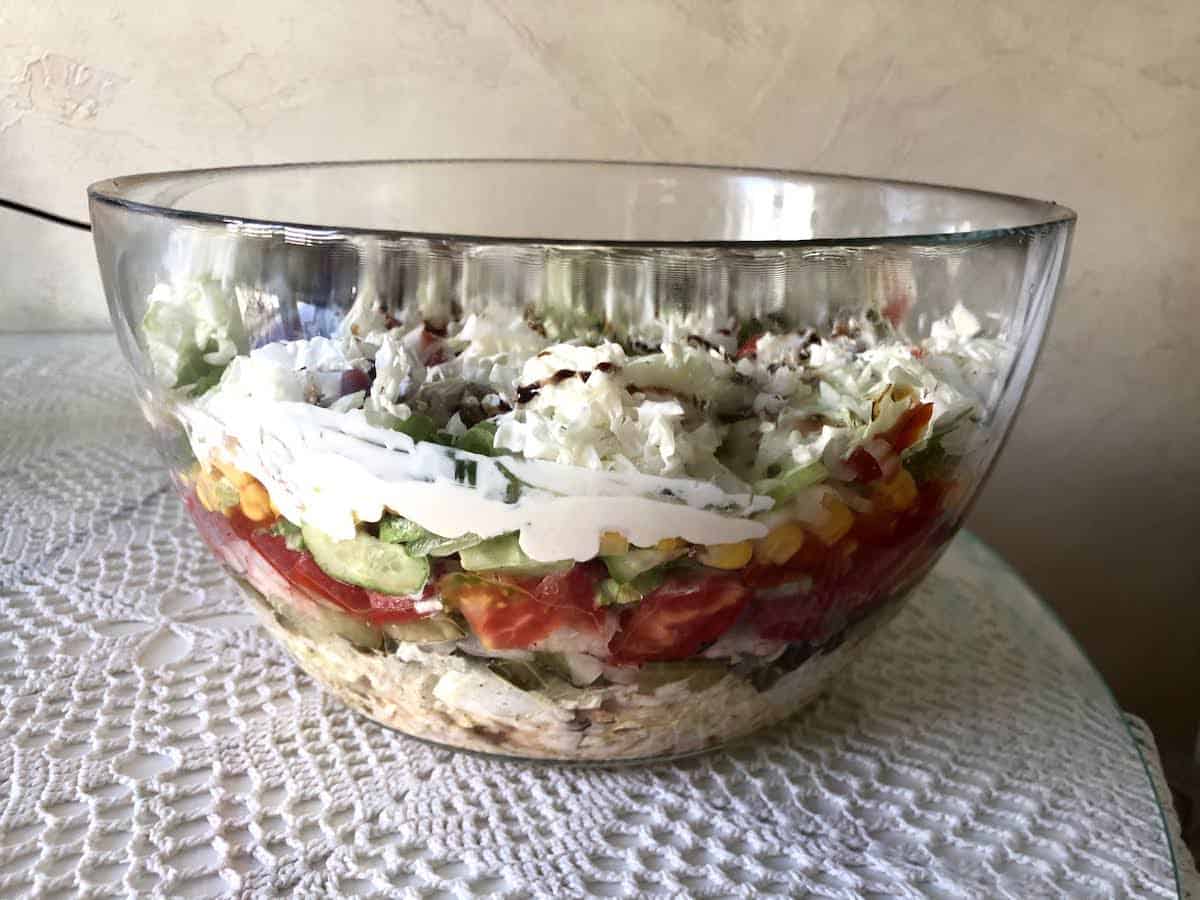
(504, 554)
(433, 545)
(367, 562)
(318, 620)
(628, 566)
(432, 630)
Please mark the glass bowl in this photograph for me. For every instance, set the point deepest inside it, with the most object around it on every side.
(575, 460)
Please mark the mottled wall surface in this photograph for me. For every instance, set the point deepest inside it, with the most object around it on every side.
(1095, 105)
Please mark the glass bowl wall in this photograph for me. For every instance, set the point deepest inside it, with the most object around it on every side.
(602, 252)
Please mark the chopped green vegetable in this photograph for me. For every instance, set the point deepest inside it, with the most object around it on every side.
(479, 439)
(513, 492)
(420, 541)
(435, 545)
(399, 530)
(614, 593)
(928, 462)
(419, 427)
(792, 482)
(192, 330)
(465, 471)
(290, 532)
(518, 673)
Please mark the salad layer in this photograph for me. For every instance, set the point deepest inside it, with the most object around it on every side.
(488, 507)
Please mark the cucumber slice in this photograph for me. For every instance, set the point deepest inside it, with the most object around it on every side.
(433, 630)
(367, 562)
(504, 554)
(628, 566)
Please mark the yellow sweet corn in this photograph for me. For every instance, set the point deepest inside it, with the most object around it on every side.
(256, 504)
(727, 556)
(834, 526)
(900, 491)
(613, 543)
(780, 544)
(237, 477)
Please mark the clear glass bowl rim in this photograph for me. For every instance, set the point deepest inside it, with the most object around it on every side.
(118, 192)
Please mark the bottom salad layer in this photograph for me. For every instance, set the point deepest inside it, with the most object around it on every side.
(642, 652)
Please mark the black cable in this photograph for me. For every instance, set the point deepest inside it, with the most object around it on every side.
(42, 214)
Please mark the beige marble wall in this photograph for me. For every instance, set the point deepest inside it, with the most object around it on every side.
(1093, 104)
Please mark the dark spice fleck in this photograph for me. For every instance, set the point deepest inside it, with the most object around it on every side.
(704, 344)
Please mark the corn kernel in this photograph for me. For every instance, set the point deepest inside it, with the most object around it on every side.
(899, 492)
(256, 504)
(834, 526)
(781, 544)
(668, 544)
(236, 476)
(727, 556)
(613, 543)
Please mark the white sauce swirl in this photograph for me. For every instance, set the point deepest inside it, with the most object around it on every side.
(331, 470)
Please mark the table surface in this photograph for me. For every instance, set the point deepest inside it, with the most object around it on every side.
(154, 741)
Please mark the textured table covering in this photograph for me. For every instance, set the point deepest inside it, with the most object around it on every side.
(154, 741)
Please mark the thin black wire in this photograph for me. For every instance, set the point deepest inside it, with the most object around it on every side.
(43, 214)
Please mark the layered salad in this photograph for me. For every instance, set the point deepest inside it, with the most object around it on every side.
(533, 536)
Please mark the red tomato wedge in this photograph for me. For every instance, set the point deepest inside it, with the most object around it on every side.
(678, 619)
(909, 427)
(302, 571)
(387, 608)
(749, 348)
(510, 613)
(865, 466)
(307, 574)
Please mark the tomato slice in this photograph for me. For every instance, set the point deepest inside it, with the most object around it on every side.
(307, 574)
(865, 466)
(572, 596)
(501, 613)
(909, 427)
(508, 613)
(678, 619)
(387, 608)
(749, 348)
(274, 549)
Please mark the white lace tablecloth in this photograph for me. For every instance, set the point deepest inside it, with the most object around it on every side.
(154, 742)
